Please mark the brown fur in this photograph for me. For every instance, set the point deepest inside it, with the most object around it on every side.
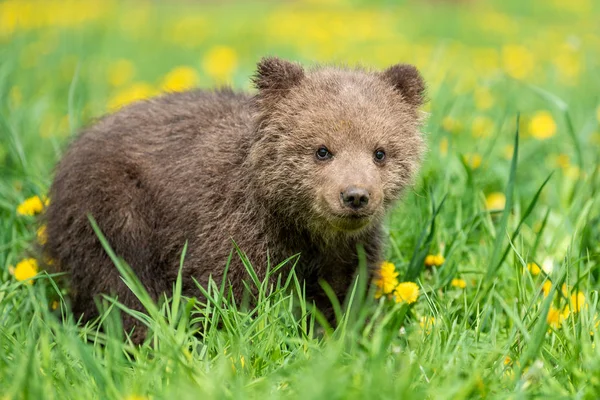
(208, 167)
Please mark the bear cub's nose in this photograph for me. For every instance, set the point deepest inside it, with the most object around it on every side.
(355, 198)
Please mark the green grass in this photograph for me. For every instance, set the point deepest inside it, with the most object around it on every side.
(59, 71)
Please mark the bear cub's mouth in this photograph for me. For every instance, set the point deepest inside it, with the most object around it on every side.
(350, 221)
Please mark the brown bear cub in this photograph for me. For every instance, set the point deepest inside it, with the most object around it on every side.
(308, 165)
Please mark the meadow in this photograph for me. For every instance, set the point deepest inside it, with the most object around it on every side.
(490, 288)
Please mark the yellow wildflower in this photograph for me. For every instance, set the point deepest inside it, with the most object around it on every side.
(556, 316)
(459, 283)
(495, 201)
(563, 161)
(406, 292)
(31, 206)
(41, 235)
(507, 360)
(386, 280)
(482, 127)
(542, 125)
(180, 79)
(220, 62)
(546, 287)
(135, 397)
(483, 98)
(444, 147)
(508, 151)
(54, 305)
(434, 260)
(533, 268)
(26, 269)
(577, 301)
(517, 61)
(451, 125)
(134, 92)
(473, 160)
(120, 72)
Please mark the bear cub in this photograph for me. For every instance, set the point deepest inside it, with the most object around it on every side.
(307, 165)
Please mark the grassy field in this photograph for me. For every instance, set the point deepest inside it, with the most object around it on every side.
(501, 234)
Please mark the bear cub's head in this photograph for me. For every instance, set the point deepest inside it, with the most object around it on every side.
(335, 147)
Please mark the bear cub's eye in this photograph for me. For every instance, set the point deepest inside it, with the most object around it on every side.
(323, 153)
(379, 155)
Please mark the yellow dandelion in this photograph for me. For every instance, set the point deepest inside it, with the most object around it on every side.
(180, 79)
(534, 269)
(120, 72)
(42, 237)
(556, 317)
(386, 279)
(451, 125)
(507, 360)
(31, 206)
(483, 98)
(563, 161)
(508, 151)
(577, 301)
(473, 160)
(517, 61)
(434, 260)
(220, 62)
(54, 305)
(444, 147)
(406, 292)
(26, 269)
(546, 287)
(134, 92)
(542, 125)
(459, 283)
(482, 127)
(495, 201)
(135, 397)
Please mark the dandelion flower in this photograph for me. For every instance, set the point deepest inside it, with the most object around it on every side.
(546, 287)
(482, 127)
(406, 292)
(120, 72)
(26, 269)
(132, 93)
(508, 151)
(434, 260)
(556, 316)
(577, 301)
(444, 147)
(542, 125)
(495, 201)
(533, 268)
(459, 283)
(473, 160)
(517, 61)
(180, 79)
(483, 98)
(31, 206)
(386, 280)
(220, 62)
(451, 125)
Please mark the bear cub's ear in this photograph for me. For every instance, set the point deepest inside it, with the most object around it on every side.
(273, 73)
(408, 81)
